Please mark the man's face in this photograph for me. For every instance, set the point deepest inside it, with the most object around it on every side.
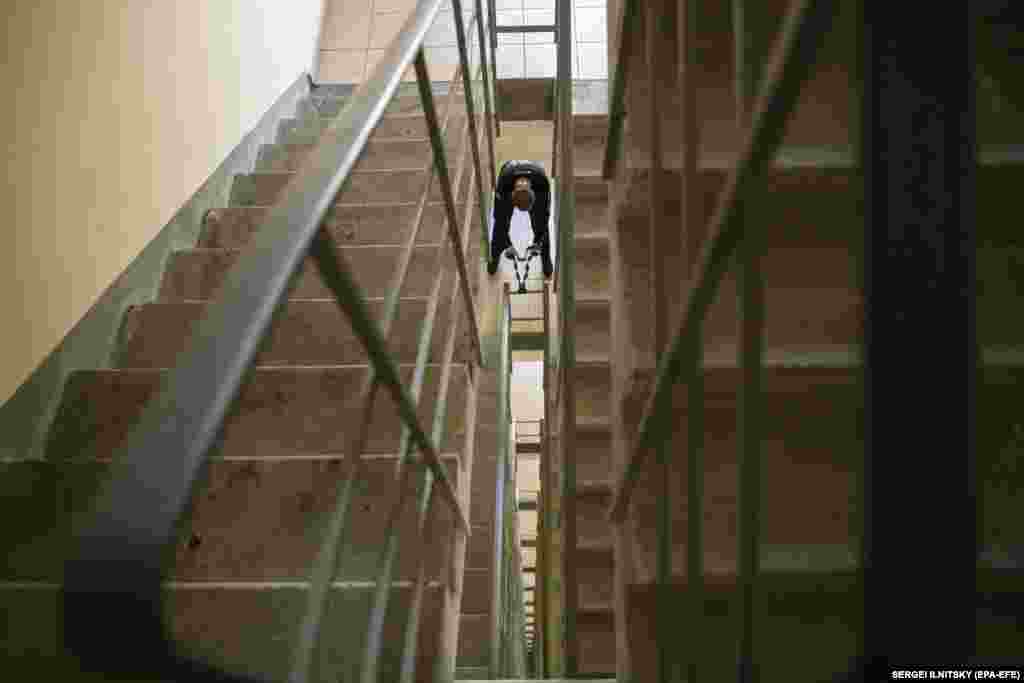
(521, 194)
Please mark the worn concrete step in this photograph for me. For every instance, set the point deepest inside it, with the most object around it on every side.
(472, 673)
(818, 204)
(474, 640)
(811, 616)
(825, 110)
(306, 332)
(380, 154)
(250, 520)
(593, 325)
(812, 448)
(362, 187)
(485, 473)
(407, 126)
(349, 224)
(593, 530)
(811, 298)
(308, 121)
(328, 107)
(593, 452)
(814, 616)
(595, 638)
(244, 627)
(590, 134)
(197, 274)
(593, 390)
(280, 412)
(592, 268)
(476, 591)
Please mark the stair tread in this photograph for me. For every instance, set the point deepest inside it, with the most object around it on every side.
(593, 488)
(280, 410)
(594, 424)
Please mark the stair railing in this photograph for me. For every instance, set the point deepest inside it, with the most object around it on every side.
(116, 567)
(507, 642)
(563, 417)
(680, 358)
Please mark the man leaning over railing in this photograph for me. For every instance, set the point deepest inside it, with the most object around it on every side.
(521, 185)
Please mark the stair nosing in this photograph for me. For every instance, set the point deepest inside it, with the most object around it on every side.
(290, 368)
(230, 585)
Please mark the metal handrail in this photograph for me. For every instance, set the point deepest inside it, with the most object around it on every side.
(566, 284)
(116, 566)
(788, 68)
(382, 592)
(498, 593)
(616, 107)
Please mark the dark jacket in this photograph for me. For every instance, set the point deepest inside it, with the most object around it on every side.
(540, 214)
(511, 170)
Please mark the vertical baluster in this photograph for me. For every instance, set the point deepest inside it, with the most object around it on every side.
(567, 275)
(491, 114)
(751, 311)
(664, 637)
(693, 226)
(467, 83)
(497, 625)
(383, 589)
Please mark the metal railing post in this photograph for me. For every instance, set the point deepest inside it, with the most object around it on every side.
(567, 275)
(751, 313)
(789, 67)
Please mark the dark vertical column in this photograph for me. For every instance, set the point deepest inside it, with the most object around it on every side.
(918, 155)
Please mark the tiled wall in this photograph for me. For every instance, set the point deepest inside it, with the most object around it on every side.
(526, 55)
(356, 33)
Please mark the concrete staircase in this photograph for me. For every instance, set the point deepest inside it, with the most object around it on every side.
(809, 604)
(238, 579)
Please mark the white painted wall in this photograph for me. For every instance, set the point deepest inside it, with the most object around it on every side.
(115, 113)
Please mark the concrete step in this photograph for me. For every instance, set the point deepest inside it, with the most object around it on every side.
(280, 412)
(590, 133)
(328, 106)
(251, 519)
(405, 126)
(811, 615)
(593, 390)
(810, 203)
(197, 274)
(474, 640)
(379, 154)
(362, 187)
(593, 453)
(595, 638)
(592, 268)
(476, 591)
(472, 673)
(593, 327)
(306, 332)
(811, 451)
(245, 627)
(350, 224)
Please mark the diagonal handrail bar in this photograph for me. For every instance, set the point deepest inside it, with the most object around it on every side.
(790, 65)
(331, 557)
(403, 473)
(116, 565)
(617, 107)
(427, 510)
(460, 38)
(490, 113)
(446, 188)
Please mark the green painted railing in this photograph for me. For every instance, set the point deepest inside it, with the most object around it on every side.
(763, 119)
(116, 567)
